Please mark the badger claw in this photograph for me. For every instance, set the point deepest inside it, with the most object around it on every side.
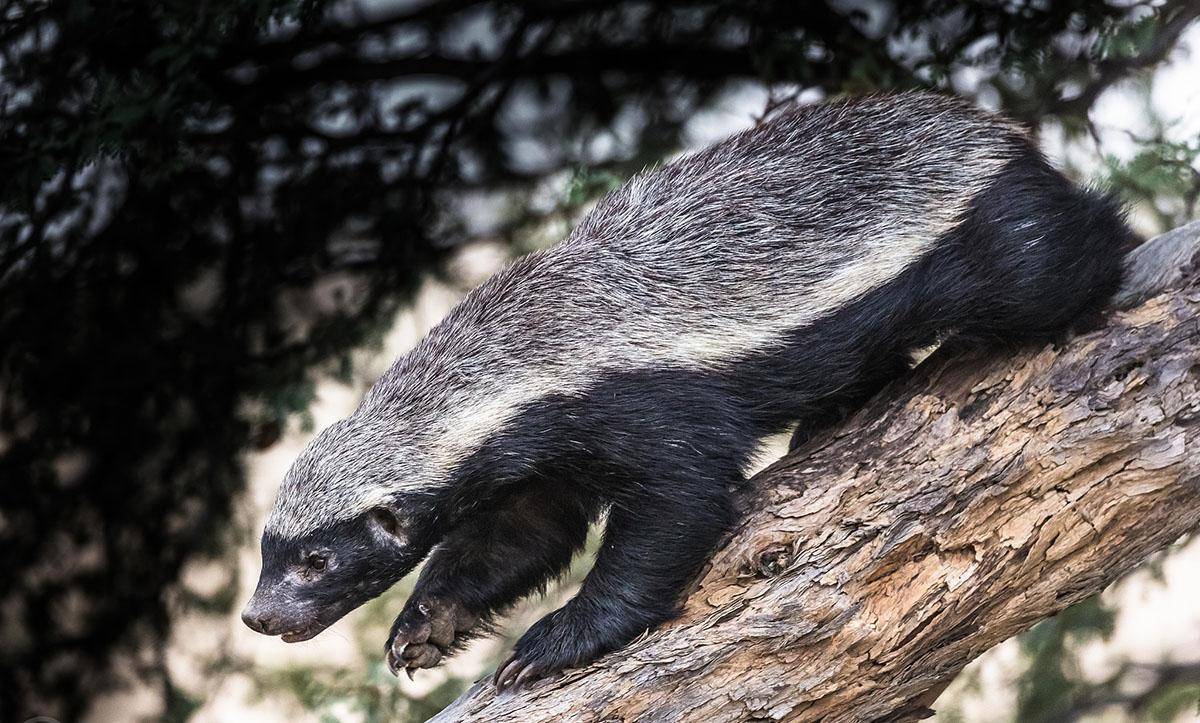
(506, 673)
(514, 673)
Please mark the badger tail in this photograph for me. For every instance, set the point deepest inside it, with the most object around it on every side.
(1045, 253)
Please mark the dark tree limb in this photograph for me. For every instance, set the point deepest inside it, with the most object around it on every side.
(961, 506)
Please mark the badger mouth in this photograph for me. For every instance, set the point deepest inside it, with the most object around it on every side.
(299, 635)
(315, 625)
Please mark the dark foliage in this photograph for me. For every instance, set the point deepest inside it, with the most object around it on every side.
(174, 171)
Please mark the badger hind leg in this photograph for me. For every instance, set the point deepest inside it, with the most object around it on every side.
(876, 373)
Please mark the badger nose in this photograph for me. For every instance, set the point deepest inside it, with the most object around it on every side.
(258, 620)
(259, 624)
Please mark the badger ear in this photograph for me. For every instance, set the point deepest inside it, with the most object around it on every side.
(387, 524)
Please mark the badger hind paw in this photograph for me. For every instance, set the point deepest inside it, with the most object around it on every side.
(550, 646)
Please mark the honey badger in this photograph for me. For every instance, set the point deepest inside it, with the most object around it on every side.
(634, 369)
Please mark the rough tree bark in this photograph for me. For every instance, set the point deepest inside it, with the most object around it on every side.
(962, 505)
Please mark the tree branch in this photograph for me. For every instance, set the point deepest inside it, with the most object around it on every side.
(962, 505)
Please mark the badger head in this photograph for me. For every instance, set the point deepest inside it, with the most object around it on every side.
(351, 518)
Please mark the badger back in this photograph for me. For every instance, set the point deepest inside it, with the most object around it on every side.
(708, 259)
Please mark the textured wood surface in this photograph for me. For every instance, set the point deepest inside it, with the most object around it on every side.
(961, 506)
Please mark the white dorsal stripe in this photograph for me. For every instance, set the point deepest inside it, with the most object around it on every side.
(704, 348)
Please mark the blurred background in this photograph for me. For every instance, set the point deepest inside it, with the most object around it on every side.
(221, 220)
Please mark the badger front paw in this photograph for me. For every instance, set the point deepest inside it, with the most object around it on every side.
(552, 644)
(426, 631)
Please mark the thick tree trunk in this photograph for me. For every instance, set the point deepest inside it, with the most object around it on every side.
(961, 506)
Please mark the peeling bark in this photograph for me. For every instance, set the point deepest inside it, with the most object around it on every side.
(979, 495)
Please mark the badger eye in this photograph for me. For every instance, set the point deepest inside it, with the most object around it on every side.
(317, 561)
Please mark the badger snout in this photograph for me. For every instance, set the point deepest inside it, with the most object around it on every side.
(260, 622)
(260, 619)
(268, 617)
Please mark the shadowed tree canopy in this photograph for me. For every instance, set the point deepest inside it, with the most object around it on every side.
(203, 204)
